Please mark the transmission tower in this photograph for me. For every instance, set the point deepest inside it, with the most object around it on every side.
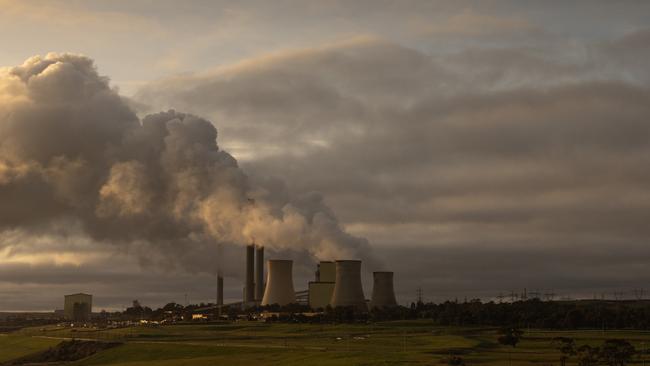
(549, 296)
(638, 294)
(513, 296)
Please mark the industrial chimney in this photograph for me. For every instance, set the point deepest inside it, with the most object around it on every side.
(383, 294)
(219, 289)
(259, 273)
(249, 289)
(348, 290)
(279, 283)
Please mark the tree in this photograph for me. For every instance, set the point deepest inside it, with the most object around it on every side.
(587, 355)
(455, 361)
(510, 336)
(567, 346)
(616, 352)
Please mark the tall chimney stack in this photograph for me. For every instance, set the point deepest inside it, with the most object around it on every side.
(259, 273)
(249, 288)
(219, 289)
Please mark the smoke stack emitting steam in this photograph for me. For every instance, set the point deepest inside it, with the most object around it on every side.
(74, 154)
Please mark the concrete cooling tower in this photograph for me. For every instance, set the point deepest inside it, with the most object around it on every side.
(348, 290)
(383, 294)
(279, 283)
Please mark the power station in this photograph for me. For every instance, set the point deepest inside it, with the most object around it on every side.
(336, 284)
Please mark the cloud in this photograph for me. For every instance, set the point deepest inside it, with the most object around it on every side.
(504, 150)
(72, 150)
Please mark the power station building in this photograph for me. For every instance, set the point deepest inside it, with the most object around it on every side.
(320, 291)
(77, 307)
(336, 284)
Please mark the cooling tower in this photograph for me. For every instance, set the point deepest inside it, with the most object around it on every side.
(348, 290)
(279, 283)
(383, 294)
(259, 273)
(249, 289)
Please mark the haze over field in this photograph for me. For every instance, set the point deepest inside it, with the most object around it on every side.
(472, 148)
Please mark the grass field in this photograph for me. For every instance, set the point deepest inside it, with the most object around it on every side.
(391, 343)
(12, 347)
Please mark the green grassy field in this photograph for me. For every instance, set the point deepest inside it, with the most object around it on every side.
(12, 347)
(391, 343)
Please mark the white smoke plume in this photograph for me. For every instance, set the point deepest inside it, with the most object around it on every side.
(71, 149)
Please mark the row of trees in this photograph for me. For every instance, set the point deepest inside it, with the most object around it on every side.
(521, 314)
(541, 314)
(613, 352)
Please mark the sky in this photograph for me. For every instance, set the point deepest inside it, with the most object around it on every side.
(473, 148)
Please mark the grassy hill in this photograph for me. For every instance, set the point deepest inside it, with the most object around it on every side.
(251, 343)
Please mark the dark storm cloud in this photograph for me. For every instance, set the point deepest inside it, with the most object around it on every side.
(509, 152)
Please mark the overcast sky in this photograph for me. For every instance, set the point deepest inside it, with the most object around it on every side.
(474, 148)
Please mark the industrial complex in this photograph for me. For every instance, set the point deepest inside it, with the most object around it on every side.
(336, 284)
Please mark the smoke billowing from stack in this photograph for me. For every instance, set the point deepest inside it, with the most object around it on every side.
(348, 290)
(74, 155)
(279, 284)
(383, 293)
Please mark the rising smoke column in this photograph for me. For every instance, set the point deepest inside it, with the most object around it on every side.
(72, 149)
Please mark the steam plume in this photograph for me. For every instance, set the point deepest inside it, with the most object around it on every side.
(72, 149)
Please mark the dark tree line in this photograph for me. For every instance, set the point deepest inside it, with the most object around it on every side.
(541, 314)
(613, 352)
(521, 314)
